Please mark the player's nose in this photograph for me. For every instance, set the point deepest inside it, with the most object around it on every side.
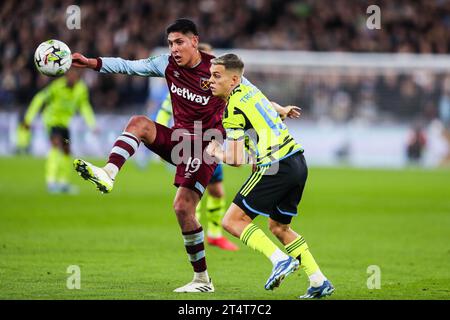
(174, 48)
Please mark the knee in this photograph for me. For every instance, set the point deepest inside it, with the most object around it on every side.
(181, 206)
(278, 229)
(140, 124)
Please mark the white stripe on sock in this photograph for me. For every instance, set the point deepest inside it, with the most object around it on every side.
(132, 135)
(120, 151)
(129, 141)
(193, 239)
(196, 256)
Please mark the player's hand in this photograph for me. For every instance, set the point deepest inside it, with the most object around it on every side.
(212, 147)
(292, 112)
(25, 125)
(80, 61)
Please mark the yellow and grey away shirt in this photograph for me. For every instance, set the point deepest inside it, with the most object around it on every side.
(249, 115)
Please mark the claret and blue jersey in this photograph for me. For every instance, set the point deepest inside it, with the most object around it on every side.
(190, 94)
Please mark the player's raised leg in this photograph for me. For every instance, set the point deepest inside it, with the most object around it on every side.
(184, 205)
(240, 225)
(139, 128)
(297, 248)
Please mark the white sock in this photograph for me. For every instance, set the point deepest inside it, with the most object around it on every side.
(278, 256)
(201, 276)
(111, 169)
(317, 279)
(214, 235)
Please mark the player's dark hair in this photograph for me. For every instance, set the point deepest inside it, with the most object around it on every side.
(230, 61)
(182, 25)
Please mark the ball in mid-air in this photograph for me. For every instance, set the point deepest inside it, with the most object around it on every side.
(53, 58)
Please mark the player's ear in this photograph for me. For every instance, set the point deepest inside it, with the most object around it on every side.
(235, 79)
(195, 41)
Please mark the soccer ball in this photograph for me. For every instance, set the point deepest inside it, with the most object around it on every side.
(53, 58)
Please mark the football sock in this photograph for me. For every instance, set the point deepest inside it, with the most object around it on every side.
(52, 164)
(299, 250)
(124, 147)
(278, 256)
(215, 209)
(64, 168)
(195, 248)
(256, 239)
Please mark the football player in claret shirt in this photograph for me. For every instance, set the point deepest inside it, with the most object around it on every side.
(275, 187)
(215, 198)
(186, 70)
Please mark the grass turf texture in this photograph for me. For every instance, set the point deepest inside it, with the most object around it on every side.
(128, 244)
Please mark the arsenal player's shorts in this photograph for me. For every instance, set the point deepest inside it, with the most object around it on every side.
(186, 153)
(275, 195)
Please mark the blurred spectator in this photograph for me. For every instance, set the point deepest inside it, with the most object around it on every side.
(416, 145)
(444, 116)
(132, 28)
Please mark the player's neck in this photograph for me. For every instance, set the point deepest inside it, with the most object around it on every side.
(196, 60)
(228, 94)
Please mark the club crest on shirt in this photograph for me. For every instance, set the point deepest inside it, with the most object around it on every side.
(204, 84)
(176, 74)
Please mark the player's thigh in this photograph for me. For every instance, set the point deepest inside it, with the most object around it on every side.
(59, 136)
(286, 208)
(194, 168)
(194, 175)
(259, 193)
(163, 144)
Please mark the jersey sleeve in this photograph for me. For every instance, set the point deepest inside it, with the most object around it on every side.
(233, 123)
(36, 104)
(154, 66)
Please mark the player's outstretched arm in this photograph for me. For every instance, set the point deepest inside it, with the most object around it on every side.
(151, 67)
(233, 155)
(292, 112)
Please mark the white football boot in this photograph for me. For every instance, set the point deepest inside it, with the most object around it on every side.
(197, 286)
(96, 175)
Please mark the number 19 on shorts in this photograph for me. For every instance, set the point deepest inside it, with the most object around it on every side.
(192, 165)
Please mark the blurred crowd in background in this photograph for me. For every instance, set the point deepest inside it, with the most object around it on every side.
(132, 28)
(341, 96)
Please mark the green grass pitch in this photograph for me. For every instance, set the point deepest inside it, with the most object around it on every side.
(128, 244)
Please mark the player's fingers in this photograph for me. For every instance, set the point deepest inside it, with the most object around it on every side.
(209, 148)
(295, 108)
(294, 114)
(78, 60)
